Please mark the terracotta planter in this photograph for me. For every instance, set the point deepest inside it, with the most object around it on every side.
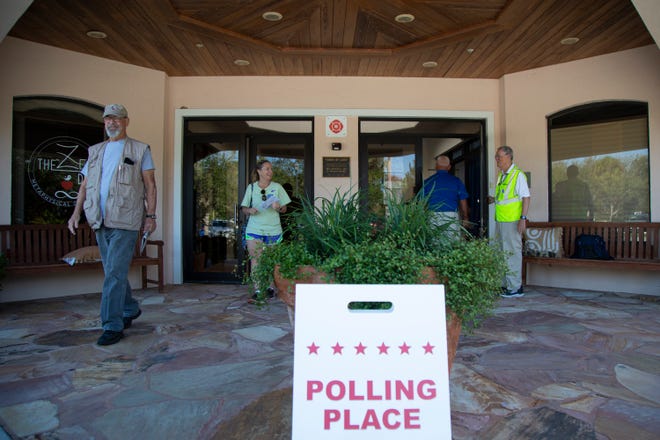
(286, 288)
(453, 322)
(286, 291)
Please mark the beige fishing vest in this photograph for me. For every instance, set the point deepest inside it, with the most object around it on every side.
(124, 207)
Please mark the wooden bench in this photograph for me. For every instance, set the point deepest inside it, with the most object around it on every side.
(633, 245)
(39, 249)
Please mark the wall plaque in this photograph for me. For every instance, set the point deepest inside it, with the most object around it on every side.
(336, 167)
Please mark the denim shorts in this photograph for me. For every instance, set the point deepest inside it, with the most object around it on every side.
(267, 239)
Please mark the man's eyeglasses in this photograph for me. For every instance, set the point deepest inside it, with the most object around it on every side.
(263, 195)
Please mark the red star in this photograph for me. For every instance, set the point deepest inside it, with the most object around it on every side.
(359, 349)
(313, 349)
(428, 348)
(405, 348)
(337, 348)
(382, 348)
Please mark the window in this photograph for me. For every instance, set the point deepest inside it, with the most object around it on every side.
(50, 140)
(599, 163)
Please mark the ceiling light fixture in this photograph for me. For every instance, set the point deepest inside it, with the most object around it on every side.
(242, 62)
(570, 40)
(271, 16)
(429, 64)
(199, 45)
(97, 34)
(404, 18)
(469, 50)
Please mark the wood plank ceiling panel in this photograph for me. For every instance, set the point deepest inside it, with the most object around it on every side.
(337, 37)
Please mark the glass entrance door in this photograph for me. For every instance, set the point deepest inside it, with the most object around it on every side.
(218, 155)
(212, 247)
(391, 168)
(288, 154)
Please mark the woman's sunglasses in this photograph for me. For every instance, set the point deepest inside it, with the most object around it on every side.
(263, 195)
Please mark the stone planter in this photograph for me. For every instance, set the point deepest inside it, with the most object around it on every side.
(286, 291)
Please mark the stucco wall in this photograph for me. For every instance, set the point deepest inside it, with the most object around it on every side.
(532, 95)
(517, 105)
(321, 96)
(33, 69)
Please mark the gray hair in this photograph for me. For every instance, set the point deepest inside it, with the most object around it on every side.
(507, 150)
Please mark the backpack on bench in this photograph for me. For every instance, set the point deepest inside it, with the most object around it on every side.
(591, 247)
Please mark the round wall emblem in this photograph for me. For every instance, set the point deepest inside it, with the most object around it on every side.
(54, 169)
(336, 126)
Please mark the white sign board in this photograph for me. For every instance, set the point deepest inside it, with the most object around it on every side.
(370, 374)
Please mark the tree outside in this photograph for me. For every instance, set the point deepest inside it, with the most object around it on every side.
(618, 183)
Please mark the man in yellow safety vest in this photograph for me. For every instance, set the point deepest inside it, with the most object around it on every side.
(511, 204)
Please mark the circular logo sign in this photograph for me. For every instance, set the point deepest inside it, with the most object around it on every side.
(54, 169)
(336, 126)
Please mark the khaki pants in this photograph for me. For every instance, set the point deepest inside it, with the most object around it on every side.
(510, 240)
(453, 231)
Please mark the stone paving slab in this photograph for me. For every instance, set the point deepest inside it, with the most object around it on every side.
(201, 363)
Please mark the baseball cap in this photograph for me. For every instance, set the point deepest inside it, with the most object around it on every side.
(116, 110)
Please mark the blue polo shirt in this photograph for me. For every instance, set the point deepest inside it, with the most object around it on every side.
(445, 190)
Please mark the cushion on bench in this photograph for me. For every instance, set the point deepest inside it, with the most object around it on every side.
(87, 254)
(543, 242)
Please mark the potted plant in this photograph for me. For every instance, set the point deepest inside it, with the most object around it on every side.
(336, 241)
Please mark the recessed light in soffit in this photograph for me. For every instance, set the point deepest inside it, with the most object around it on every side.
(429, 64)
(570, 40)
(242, 62)
(99, 35)
(271, 16)
(404, 18)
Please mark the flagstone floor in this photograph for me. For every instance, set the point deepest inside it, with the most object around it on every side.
(201, 363)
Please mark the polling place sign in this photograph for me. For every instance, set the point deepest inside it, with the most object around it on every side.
(370, 374)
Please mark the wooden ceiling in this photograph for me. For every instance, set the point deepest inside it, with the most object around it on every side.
(467, 39)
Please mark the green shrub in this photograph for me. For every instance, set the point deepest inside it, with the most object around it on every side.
(338, 238)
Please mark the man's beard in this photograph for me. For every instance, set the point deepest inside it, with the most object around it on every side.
(112, 132)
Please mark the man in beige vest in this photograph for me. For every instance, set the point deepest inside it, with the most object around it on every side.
(118, 195)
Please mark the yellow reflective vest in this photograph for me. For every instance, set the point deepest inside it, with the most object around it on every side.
(508, 204)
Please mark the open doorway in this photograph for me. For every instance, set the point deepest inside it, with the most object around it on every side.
(398, 154)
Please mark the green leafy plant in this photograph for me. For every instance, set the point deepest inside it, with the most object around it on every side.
(473, 270)
(328, 225)
(383, 261)
(289, 256)
(351, 247)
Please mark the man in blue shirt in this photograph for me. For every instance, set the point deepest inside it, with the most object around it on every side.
(447, 196)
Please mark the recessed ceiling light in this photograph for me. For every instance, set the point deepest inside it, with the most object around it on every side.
(199, 45)
(242, 62)
(404, 18)
(429, 64)
(97, 34)
(271, 16)
(469, 50)
(570, 40)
